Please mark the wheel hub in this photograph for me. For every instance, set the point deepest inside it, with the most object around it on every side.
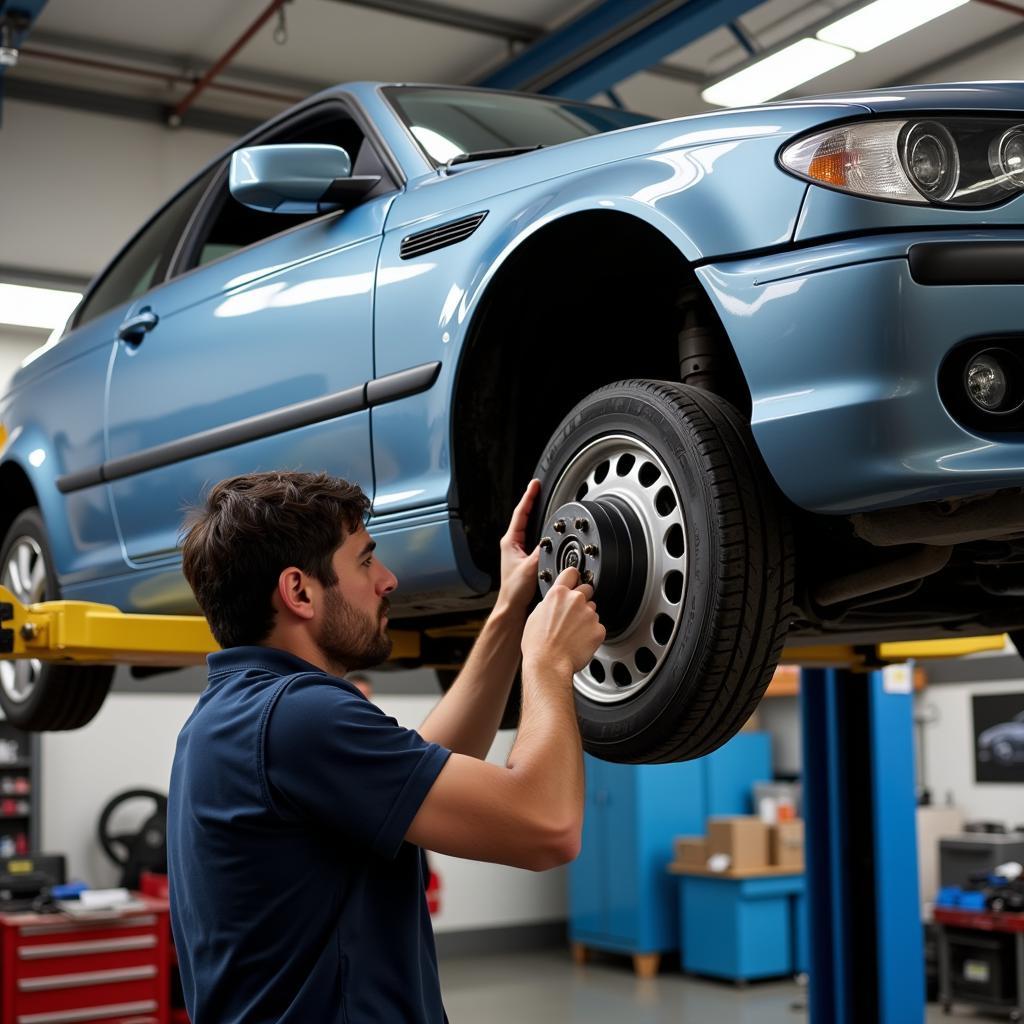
(633, 550)
(604, 539)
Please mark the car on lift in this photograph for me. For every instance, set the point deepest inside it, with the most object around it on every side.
(766, 363)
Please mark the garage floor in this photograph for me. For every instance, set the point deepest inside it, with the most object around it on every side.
(546, 988)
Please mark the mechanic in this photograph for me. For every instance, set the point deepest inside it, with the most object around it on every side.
(299, 811)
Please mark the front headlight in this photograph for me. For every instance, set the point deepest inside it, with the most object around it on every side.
(947, 161)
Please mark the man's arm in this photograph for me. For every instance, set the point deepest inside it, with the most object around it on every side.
(528, 813)
(467, 717)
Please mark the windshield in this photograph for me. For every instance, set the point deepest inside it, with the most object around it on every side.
(449, 122)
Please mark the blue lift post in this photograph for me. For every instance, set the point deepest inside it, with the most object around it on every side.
(865, 935)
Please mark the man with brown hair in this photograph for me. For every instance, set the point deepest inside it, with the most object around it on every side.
(299, 812)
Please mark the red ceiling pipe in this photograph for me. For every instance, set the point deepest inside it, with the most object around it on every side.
(179, 111)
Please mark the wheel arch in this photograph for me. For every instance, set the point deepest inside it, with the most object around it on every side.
(559, 318)
(18, 492)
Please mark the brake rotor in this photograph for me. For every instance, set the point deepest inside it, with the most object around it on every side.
(604, 540)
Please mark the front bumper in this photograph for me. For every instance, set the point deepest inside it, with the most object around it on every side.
(841, 348)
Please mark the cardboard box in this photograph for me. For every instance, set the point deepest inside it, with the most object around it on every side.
(787, 844)
(744, 840)
(691, 851)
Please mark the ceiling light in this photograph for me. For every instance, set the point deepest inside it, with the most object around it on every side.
(46, 308)
(778, 73)
(884, 20)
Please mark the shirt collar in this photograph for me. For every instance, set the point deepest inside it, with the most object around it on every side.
(270, 659)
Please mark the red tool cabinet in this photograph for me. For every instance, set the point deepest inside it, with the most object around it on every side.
(109, 969)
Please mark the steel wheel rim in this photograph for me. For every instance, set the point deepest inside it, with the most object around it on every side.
(24, 574)
(654, 627)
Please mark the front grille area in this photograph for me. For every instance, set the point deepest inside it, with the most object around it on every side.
(437, 238)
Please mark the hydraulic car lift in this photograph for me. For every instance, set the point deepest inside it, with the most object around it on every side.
(865, 936)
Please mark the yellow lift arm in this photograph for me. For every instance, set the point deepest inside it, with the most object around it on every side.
(100, 634)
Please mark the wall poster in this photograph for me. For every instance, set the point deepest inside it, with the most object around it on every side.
(999, 737)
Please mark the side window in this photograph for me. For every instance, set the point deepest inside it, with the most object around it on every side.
(229, 226)
(138, 267)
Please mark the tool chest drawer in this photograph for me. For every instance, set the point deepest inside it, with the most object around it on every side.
(61, 971)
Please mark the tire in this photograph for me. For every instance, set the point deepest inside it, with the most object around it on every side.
(38, 695)
(679, 676)
(509, 717)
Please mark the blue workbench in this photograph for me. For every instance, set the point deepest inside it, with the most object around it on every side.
(742, 925)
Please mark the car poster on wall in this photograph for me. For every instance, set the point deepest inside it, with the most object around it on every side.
(999, 737)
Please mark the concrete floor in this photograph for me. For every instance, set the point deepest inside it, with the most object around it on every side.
(546, 988)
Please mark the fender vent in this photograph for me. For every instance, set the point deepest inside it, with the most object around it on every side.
(437, 238)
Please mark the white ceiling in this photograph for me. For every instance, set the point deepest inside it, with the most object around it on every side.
(333, 41)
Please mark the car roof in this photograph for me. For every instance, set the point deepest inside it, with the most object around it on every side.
(946, 96)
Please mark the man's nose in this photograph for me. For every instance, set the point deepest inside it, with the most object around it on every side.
(387, 583)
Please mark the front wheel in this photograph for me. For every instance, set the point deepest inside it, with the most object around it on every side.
(656, 492)
(39, 695)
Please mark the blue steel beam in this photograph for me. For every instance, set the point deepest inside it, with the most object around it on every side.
(21, 14)
(866, 948)
(16, 18)
(610, 42)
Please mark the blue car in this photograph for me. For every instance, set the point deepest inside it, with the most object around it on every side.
(1003, 744)
(768, 364)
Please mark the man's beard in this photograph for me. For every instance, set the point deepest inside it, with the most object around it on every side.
(349, 638)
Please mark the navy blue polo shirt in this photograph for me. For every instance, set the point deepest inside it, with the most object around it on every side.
(294, 897)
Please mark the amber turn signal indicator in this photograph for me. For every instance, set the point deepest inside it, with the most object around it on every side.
(830, 168)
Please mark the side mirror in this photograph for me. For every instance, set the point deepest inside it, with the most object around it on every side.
(296, 178)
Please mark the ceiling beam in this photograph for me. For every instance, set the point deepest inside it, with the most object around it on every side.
(92, 102)
(179, 63)
(43, 278)
(455, 17)
(610, 42)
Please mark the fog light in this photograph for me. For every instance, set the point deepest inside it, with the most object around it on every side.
(986, 382)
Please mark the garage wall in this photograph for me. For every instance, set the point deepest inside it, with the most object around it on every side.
(130, 744)
(77, 185)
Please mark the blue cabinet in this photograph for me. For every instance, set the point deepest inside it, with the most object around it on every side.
(620, 896)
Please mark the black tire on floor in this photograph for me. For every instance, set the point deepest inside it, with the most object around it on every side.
(735, 603)
(58, 697)
(509, 717)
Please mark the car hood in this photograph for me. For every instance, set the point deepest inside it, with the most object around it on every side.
(442, 190)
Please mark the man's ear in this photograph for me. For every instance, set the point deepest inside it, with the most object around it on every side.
(293, 593)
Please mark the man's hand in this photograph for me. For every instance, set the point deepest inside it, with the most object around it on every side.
(564, 629)
(519, 569)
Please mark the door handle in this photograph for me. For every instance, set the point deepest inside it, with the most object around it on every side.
(136, 328)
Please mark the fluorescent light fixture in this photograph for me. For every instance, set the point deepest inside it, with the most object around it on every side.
(884, 20)
(46, 308)
(777, 73)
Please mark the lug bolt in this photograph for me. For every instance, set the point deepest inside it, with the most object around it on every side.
(587, 576)
(589, 549)
(545, 576)
(559, 526)
(582, 525)
(545, 544)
